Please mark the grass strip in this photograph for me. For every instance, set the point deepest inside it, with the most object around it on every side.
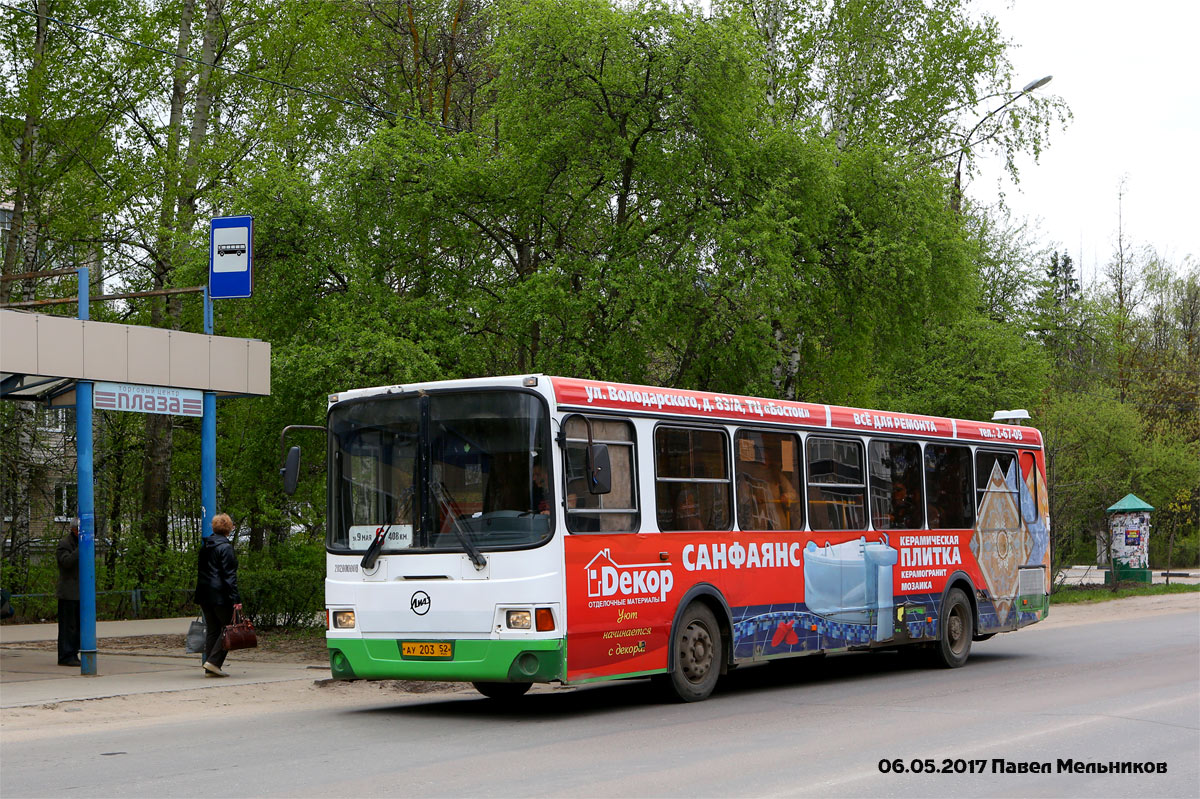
(1070, 593)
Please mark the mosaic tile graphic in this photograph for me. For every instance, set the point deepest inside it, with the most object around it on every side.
(790, 628)
(1000, 544)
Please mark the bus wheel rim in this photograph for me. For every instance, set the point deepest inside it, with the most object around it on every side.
(955, 630)
(696, 654)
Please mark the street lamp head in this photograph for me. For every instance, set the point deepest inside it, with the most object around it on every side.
(1037, 84)
(1013, 97)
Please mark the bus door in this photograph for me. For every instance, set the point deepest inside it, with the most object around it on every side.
(1000, 544)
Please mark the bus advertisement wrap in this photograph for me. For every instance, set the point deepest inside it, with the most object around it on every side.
(621, 600)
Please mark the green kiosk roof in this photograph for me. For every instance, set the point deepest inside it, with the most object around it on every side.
(1128, 504)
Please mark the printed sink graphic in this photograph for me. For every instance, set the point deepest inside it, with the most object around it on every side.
(851, 583)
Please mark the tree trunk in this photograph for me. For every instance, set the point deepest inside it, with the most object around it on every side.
(114, 520)
(156, 466)
(186, 212)
(449, 58)
(416, 40)
(177, 215)
(29, 134)
(258, 531)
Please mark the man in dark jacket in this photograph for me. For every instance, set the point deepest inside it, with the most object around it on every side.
(217, 590)
(67, 555)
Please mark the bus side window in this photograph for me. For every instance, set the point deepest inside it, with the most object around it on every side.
(836, 484)
(895, 469)
(948, 487)
(768, 481)
(691, 480)
(992, 470)
(616, 511)
(1029, 464)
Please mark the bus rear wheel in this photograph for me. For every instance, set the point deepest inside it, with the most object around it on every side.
(696, 644)
(958, 628)
(502, 690)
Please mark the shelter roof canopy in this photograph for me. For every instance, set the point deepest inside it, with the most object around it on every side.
(41, 357)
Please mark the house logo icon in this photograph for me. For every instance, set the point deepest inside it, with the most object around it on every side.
(594, 567)
(639, 582)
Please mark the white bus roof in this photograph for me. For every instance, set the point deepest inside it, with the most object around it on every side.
(600, 395)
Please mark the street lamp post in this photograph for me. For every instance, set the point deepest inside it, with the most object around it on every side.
(1029, 87)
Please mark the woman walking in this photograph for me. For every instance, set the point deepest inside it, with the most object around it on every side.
(217, 590)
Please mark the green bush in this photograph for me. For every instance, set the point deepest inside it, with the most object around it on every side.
(30, 575)
(1185, 554)
(284, 586)
(153, 570)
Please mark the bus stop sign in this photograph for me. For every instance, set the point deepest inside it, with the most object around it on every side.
(230, 256)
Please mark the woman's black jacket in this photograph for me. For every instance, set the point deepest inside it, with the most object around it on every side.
(216, 572)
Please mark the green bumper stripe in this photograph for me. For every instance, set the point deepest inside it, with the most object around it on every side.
(1033, 603)
(489, 661)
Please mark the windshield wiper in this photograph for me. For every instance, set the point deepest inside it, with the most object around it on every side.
(372, 554)
(442, 494)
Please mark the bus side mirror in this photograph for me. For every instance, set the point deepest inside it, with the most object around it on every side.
(291, 471)
(599, 469)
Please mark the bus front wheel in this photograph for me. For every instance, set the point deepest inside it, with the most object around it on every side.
(958, 628)
(502, 690)
(696, 643)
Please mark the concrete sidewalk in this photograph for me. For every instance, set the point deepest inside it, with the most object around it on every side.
(19, 633)
(31, 676)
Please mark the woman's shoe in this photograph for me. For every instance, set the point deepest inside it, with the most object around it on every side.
(214, 670)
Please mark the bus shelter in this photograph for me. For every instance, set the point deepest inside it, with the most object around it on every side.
(64, 362)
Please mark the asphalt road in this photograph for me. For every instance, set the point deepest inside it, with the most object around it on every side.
(1125, 691)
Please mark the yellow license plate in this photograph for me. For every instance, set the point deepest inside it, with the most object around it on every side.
(427, 649)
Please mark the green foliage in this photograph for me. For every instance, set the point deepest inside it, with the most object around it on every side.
(144, 582)
(30, 575)
(1176, 539)
(285, 585)
(1183, 553)
(143, 565)
(971, 368)
(922, 78)
(282, 586)
(1097, 450)
(758, 201)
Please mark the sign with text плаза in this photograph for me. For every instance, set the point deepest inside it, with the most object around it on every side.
(230, 257)
(148, 399)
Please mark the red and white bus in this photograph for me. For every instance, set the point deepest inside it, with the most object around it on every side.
(524, 529)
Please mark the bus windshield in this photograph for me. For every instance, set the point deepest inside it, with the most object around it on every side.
(432, 469)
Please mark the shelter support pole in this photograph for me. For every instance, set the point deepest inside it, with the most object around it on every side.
(87, 507)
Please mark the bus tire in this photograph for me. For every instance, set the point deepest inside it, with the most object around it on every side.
(502, 690)
(696, 644)
(958, 628)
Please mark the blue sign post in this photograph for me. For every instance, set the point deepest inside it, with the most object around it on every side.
(87, 506)
(231, 257)
(208, 442)
(230, 276)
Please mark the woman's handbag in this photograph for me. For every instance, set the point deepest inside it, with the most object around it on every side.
(195, 637)
(239, 633)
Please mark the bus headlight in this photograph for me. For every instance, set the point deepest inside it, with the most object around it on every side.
(343, 619)
(518, 619)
